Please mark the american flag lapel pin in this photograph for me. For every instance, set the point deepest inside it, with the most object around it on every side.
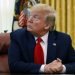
(54, 44)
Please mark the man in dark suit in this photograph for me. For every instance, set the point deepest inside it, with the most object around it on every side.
(58, 54)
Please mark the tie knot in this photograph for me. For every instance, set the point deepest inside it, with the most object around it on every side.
(39, 39)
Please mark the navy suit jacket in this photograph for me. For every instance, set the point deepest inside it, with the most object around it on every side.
(20, 53)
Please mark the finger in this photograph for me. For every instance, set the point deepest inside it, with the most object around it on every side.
(54, 70)
(59, 60)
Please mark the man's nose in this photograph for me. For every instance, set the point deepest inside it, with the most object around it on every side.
(30, 19)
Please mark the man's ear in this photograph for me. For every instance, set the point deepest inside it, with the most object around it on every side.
(47, 27)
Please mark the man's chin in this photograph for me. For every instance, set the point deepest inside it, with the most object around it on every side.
(29, 29)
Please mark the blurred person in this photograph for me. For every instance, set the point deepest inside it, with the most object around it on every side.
(39, 48)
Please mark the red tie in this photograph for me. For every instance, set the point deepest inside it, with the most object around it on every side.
(38, 53)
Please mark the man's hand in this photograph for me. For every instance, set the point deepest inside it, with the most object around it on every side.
(54, 67)
(22, 20)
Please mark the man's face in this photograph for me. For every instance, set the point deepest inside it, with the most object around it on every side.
(36, 22)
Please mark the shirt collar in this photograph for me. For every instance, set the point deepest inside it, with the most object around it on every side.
(44, 38)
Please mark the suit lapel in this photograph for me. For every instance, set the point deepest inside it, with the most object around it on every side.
(31, 45)
(51, 49)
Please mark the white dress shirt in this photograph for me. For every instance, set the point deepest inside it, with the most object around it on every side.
(44, 44)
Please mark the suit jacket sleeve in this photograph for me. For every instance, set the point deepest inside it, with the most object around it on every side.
(70, 67)
(15, 61)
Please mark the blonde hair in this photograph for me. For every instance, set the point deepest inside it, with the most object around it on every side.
(45, 8)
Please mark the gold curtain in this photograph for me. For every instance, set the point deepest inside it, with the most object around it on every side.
(65, 19)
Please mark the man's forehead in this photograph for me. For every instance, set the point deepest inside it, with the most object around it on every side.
(35, 12)
(38, 11)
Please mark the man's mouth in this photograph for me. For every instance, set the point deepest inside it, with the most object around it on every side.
(29, 26)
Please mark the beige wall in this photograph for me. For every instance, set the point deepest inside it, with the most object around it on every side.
(65, 20)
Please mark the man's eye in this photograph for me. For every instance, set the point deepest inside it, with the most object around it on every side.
(37, 17)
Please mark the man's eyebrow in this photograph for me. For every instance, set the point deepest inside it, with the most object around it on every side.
(35, 15)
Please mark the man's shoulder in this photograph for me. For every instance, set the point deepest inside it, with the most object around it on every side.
(62, 35)
(19, 33)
